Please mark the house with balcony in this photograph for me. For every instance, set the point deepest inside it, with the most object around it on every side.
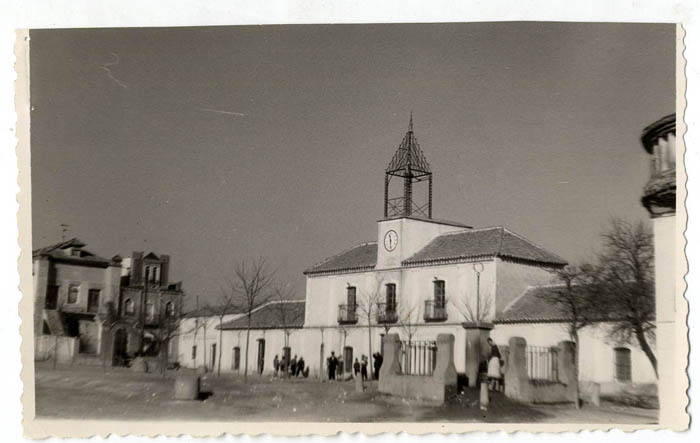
(419, 278)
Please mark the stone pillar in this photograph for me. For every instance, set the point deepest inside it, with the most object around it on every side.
(445, 371)
(566, 366)
(476, 349)
(516, 379)
(391, 365)
(41, 281)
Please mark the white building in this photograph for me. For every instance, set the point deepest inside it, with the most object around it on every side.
(421, 277)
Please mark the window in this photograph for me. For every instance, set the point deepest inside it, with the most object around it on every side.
(439, 293)
(75, 252)
(51, 297)
(352, 296)
(623, 364)
(169, 309)
(93, 300)
(236, 364)
(128, 307)
(150, 311)
(194, 352)
(146, 271)
(73, 294)
(390, 297)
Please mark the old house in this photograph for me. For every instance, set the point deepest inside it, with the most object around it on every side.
(97, 310)
(73, 288)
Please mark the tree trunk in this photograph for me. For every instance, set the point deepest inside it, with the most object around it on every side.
(641, 338)
(247, 341)
(164, 357)
(221, 348)
(204, 345)
(370, 363)
(576, 359)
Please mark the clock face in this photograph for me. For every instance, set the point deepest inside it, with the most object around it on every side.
(391, 239)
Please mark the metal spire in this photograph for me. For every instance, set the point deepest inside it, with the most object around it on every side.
(410, 123)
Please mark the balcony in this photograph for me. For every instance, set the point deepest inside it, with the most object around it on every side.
(347, 314)
(435, 310)
(386, 313)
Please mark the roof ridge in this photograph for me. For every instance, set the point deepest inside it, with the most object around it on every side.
(470, 230)
(522, 237)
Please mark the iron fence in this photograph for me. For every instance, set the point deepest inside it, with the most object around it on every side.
(542, 363)
(418, 357)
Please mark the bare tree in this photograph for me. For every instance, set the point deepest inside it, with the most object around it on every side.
(468, 309)
(225, 307)
(250, 289)
(625, 283)
(574, 301)
(168, 327)
(408, 321)
(288, 313)
(368, 307)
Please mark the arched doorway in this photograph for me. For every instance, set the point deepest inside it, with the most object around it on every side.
(119, 347)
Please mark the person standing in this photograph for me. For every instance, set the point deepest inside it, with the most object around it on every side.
(276, 364)
(378, 359)
(293, 365)
(300, 366)
(363, 367)
(332, 362)
(356, 367)
(494, 366)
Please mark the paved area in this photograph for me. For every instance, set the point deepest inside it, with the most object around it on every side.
(119, 394)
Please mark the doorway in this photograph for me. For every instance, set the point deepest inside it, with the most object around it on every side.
(261, 355)
(213, 356)
(119, 348)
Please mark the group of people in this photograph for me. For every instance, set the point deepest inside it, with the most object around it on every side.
(293, 368)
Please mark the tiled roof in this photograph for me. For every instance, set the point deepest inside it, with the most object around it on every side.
(534, 306)
(357, 258)
(54, 251)
(483, 243)
(271, 315)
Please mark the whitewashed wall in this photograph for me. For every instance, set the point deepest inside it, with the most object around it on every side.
(597, 355)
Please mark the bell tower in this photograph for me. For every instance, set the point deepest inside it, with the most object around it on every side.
(408, 164)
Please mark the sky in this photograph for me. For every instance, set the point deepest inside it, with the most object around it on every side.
(221, 144)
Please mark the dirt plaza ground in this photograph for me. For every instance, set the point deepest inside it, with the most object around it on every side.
(120, 394)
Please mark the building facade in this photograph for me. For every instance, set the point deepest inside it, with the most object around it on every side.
(421, 277)
(659, 198)
(73, 290)
(104, 310)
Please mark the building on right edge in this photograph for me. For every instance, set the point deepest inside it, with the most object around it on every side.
(659, 198)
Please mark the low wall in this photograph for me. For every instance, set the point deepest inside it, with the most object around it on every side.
(48, 347)
(519, 387)
(435, 388)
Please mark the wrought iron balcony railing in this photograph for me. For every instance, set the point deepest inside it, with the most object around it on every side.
(435, 310)
(386, 313)
(347, 314)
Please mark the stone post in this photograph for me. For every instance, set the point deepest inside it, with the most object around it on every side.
(567, 368)
(476, 350)
(391, 365)
(445, 371)
(516, 379)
